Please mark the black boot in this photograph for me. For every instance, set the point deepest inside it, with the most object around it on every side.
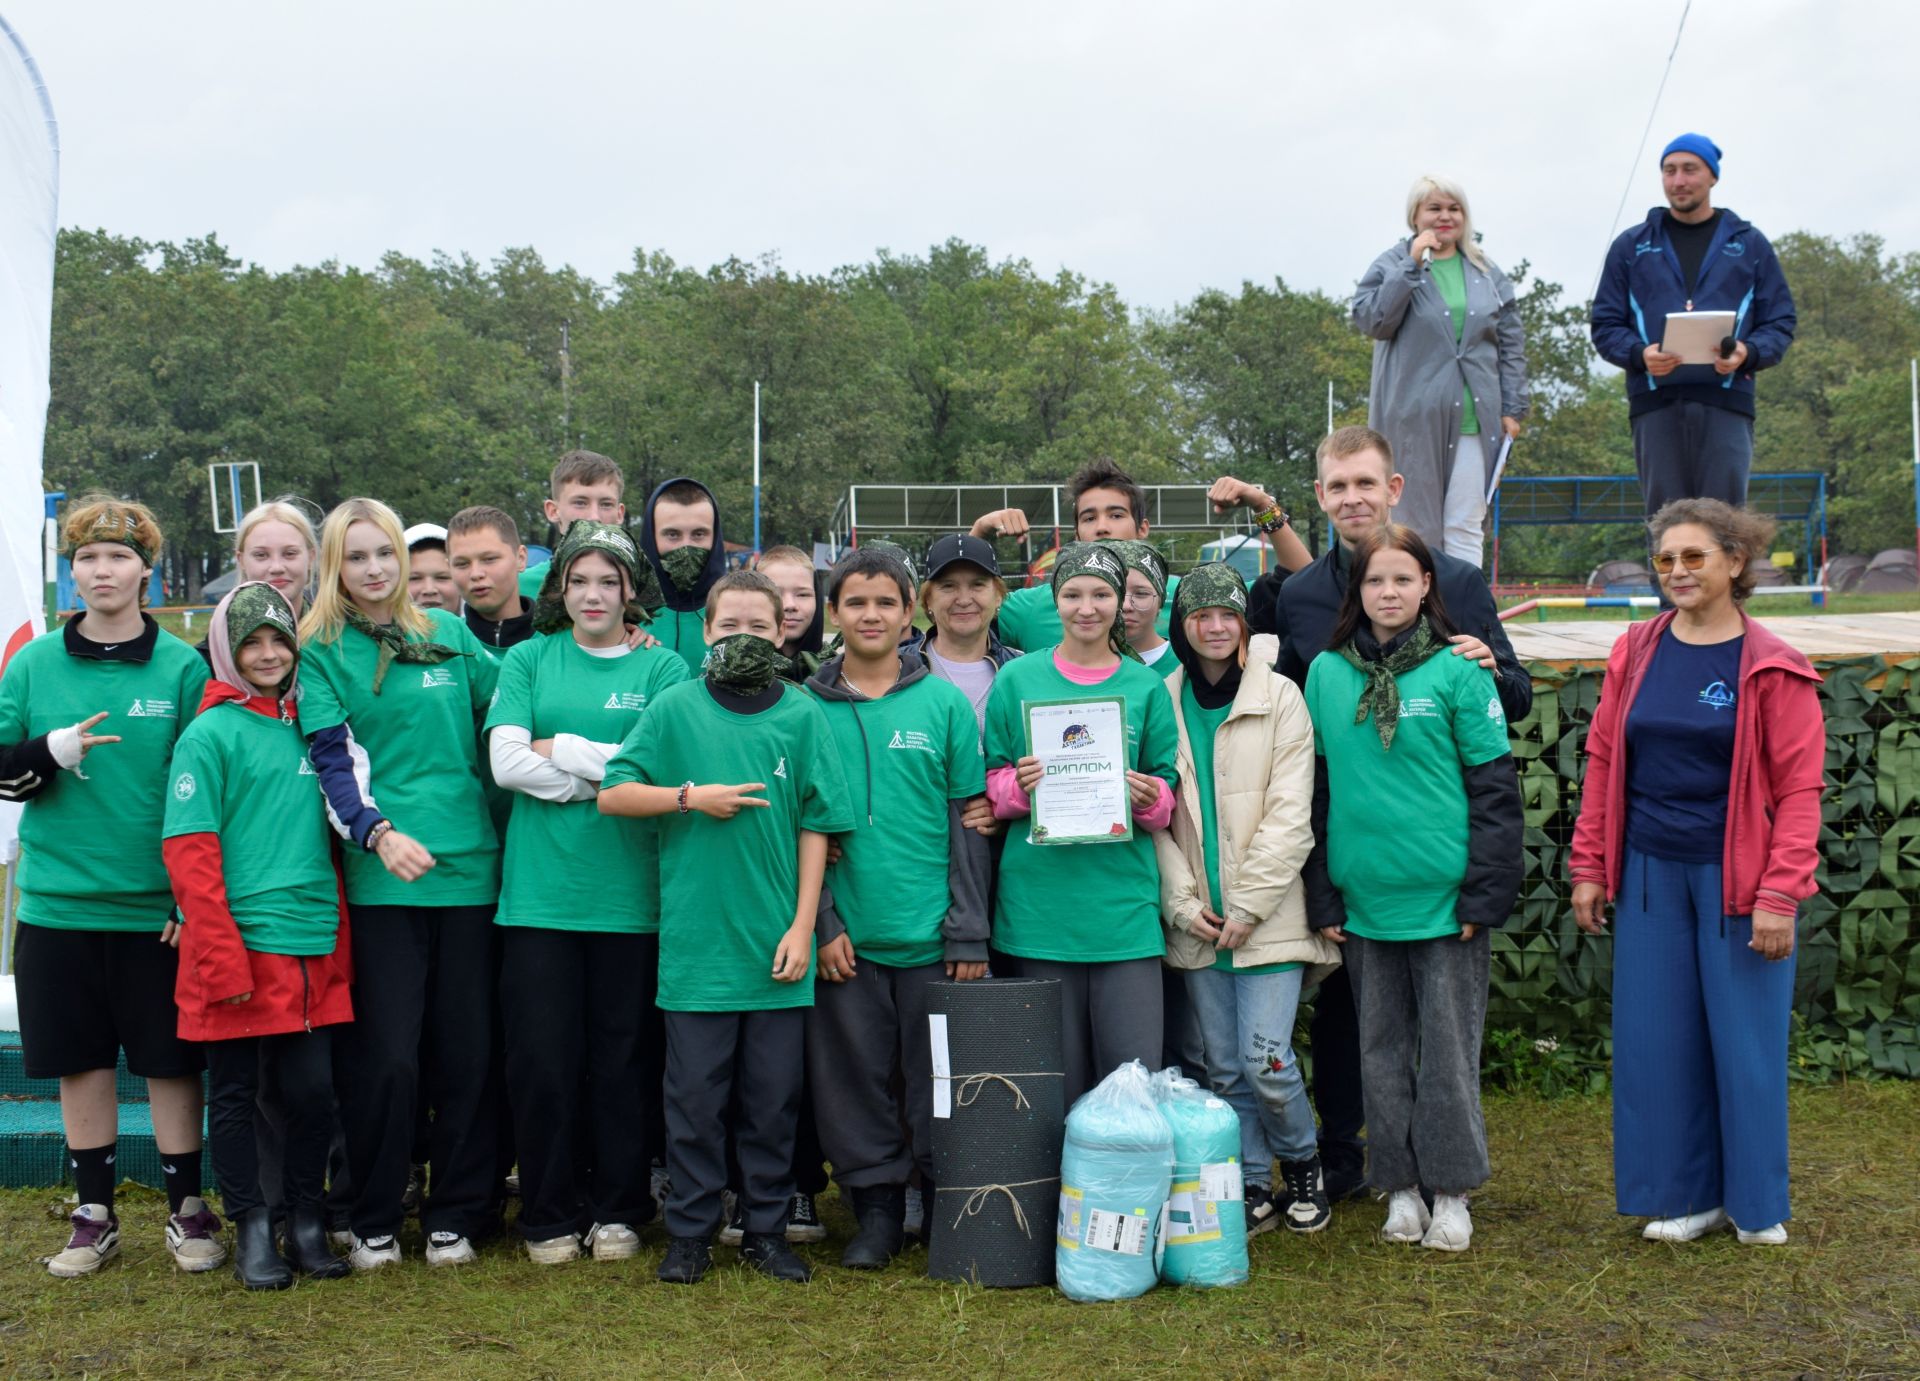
(880, 1213)
(307, 1249)
(771, 1256)
(256, 1264)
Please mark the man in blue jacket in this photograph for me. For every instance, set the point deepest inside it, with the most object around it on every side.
(1692, 424)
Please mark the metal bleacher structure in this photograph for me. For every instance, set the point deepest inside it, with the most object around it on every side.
(894, 510)
(1792, 496)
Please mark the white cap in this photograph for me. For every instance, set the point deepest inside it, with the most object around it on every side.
(424, 532)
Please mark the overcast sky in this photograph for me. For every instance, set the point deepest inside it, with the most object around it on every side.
(1165, 147)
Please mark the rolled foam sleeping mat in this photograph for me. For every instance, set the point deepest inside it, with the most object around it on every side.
(999, 1112)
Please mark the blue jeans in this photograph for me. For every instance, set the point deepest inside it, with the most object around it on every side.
(1699, 1051)
(1246, 1026)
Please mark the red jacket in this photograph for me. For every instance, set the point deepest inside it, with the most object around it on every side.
(1773, 799)
(289, 993)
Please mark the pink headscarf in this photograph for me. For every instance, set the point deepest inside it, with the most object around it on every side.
(259, 605)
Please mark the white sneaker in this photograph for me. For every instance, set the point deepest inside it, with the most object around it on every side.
(94, 1242)
(613, 1241)
(371, 1253)
(1407, 1217)
(1775, 1236)
(1686, 1228)
(554, 1250)
(193, 1236)
(449, 1249)
(340, 1239)
(1452, 1227)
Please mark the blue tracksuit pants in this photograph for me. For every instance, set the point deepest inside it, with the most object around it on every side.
(1699, 1051)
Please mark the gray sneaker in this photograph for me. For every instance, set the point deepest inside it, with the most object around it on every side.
(193, 1236)
(95, 1241)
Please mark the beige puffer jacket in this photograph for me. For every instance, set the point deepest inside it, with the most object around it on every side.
(1263, 793)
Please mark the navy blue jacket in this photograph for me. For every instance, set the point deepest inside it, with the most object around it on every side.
(1642, 282)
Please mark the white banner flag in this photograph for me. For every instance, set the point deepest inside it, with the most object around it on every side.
(29, 218)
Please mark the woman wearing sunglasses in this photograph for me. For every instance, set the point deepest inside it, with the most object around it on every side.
(1699, 823)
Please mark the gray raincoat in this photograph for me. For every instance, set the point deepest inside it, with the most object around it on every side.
(1418, 370)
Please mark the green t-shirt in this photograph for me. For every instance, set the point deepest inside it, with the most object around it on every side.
(729, 888)
(567, 866)
(1202, 725)
(904, 757)
(423, 758)
(1080, 903)
(90, 845)
(532, 578)
(246, 778)
(1450, 277)
(1165, 665)
(1028, 620)
(1397, 821)
(683, 631)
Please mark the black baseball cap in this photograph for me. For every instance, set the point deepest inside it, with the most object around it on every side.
(962, 546)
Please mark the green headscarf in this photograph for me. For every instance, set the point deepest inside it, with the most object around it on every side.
(617, 545)
(250, 607)
(685, 565)
(1142, 557)
(1382, 693)
(743, 663)
(1215, 585)
(1097, 559)
(395, 646)
(107, 528)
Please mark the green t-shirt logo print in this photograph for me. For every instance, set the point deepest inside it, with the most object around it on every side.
(781, 770)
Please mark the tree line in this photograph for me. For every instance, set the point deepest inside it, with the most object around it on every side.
(435, 385)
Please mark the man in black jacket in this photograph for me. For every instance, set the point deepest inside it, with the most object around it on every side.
(1357, 488)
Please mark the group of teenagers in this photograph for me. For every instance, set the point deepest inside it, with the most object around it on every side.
(624, 876)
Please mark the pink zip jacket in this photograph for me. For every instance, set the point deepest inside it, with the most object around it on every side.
(1773, 801)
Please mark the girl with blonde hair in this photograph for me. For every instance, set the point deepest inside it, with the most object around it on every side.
(392, 698)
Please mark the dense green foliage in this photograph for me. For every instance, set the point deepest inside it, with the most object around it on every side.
(436, 385)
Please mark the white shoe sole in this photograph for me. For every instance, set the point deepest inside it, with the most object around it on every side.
(1654, 1231)
(1775, 1236)
(193, 1265)
(67, 1272)
(1432, 1243)
(817, 1233)
(552, 1256)
(462, 1255)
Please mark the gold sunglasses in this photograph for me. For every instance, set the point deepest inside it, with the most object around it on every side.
(1693, 558)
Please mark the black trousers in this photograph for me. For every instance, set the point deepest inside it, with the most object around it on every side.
(809, 1153)
(300, 1066)
(575, 1076)
(1336, 1077)
(868, 1060)
(710, 1056)
(422, 1030)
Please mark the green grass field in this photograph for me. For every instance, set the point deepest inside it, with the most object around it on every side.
(1555, 1286)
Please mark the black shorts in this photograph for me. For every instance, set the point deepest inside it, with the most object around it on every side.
(86, 994)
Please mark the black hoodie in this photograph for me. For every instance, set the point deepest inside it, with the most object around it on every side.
(681, 625)
(969, 856)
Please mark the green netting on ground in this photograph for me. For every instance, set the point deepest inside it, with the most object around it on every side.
(1857, 989)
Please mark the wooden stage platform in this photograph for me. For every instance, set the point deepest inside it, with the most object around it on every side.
(1820, 636)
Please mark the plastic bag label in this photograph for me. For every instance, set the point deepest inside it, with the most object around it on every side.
(1066, 1229)
(942, 1064)
(1124, 1234)
(1221, 1181)
(1193, 1215)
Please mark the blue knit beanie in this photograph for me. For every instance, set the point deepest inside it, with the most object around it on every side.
(1700, 147)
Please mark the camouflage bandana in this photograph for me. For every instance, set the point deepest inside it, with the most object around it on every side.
(897, 552)
(111, 529)
(251, 607)
(395, 646)
(1381, 694)
(743, 663)
(1141, 557)
(1215, 585)
(1100, 560)
(617, 545)
(684, 566)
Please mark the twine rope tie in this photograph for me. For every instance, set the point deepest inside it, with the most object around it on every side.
(968, 1086)
(979, 1194)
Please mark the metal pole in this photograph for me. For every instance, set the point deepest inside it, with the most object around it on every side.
(1329, 407)
(566, 375)
(50, 554)
(1914, 375)
(756, 467)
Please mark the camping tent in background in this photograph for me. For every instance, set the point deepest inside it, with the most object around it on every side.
(29, 218)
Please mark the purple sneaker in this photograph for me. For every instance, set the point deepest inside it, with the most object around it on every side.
(193, 1236)
(95, 1240)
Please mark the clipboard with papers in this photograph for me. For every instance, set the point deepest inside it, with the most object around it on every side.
(1695, 336)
